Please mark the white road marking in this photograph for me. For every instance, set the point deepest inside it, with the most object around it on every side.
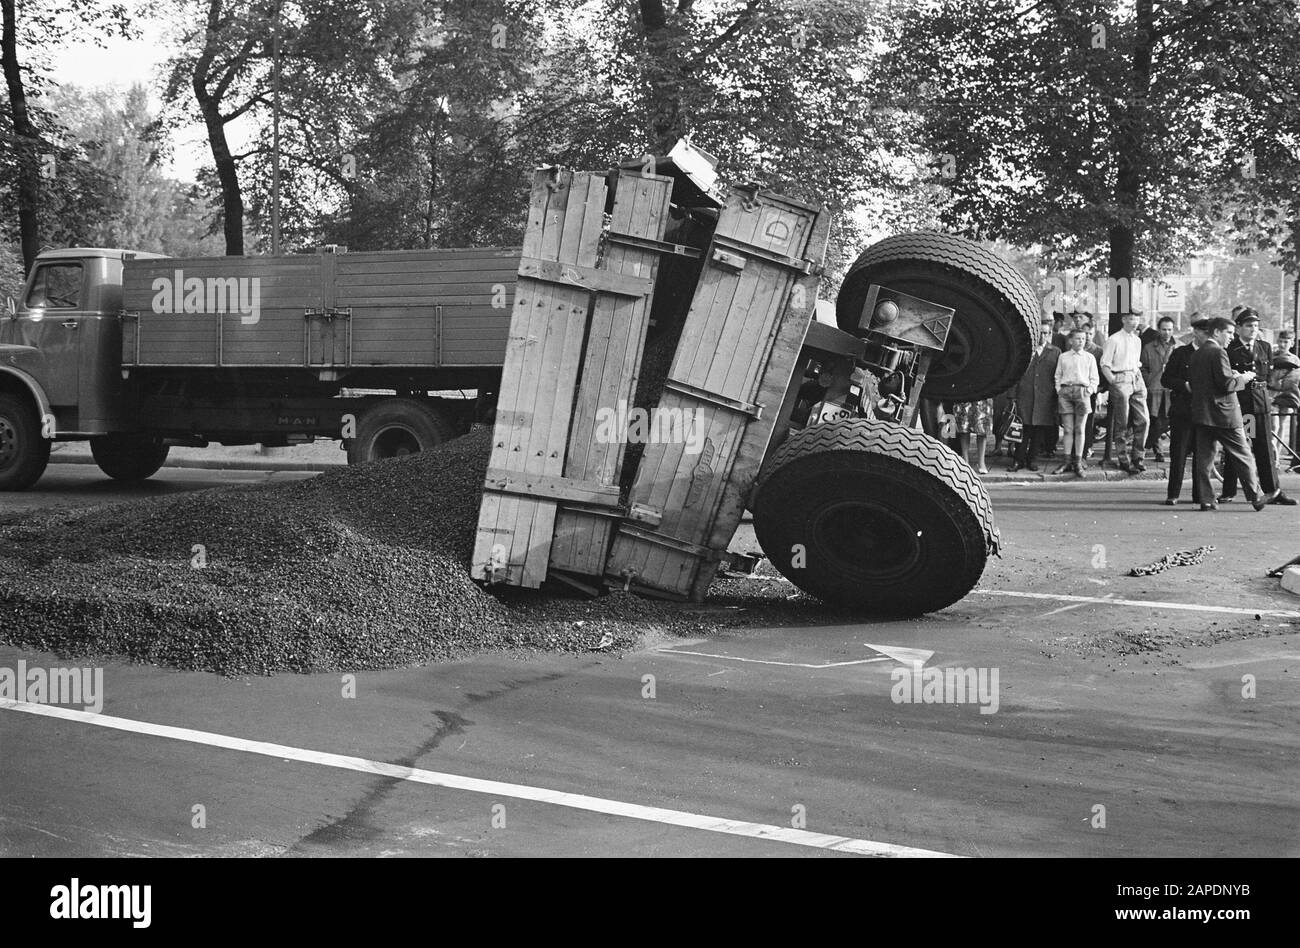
(1252, 660)
(763, 661)
(1055, 612)
(576, 801)
(902, 654)
(1185, 606)
(1075, 605)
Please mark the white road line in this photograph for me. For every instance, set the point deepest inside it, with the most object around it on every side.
(1073, 605)
(762, 661)
(1185, 606)
(712, 824)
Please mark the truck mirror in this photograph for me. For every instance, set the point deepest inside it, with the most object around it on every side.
(11, 307)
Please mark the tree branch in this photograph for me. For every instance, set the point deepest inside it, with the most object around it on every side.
(232, 68)
(742, 22)
(1200, 16)
(231, 116)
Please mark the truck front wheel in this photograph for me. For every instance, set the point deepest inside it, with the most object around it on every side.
(23, 452)
(129, 457)
(874, 516)
(395, 427)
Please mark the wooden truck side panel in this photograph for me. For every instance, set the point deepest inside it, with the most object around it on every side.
(428, 307)
(731, 370)
(218, 311)
(539, 377)
(394, 309)
(611, 366)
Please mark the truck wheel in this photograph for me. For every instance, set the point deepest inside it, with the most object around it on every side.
(996, 316)
(874, 516)
(128, 457)
(395, 427)
(23, 452)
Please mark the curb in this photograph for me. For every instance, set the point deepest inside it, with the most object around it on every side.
(251, 464)
(1094, 474)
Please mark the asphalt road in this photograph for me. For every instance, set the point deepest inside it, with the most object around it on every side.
(1152, 716)
(83, 485)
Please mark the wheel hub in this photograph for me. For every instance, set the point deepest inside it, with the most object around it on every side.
(396, 442)
(868, 540)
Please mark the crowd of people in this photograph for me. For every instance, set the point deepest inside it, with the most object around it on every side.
(1218, 393)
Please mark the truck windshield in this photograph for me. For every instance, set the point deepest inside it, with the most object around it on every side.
(56, 285)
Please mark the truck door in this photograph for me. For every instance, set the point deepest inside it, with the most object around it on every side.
(51, 322)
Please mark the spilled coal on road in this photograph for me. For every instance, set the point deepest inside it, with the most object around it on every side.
(364, 567)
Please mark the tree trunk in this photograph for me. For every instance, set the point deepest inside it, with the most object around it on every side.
(28, 141)
(1130, 161)
(664, 75)
(209, 103)
(232, 200)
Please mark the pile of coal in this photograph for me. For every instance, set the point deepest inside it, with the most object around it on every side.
(363, 567)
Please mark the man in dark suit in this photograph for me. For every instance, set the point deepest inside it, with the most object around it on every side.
(1248, 353)
(1036, 402)
(1217, 416)
(1182, 434)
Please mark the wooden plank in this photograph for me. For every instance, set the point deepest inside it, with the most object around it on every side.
(495, 535)
(426, 291)
(667, 473)
(581, 247)
(597, 281)
(557, 488)
(542, 357)
(611, 367)
(740, 343)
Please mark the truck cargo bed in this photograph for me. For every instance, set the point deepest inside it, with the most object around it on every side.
(410, 308)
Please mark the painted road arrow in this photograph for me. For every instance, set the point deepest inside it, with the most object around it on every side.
(899, 653)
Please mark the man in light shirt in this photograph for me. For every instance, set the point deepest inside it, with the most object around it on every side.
(1121, 369)
(1077, 381)
(1154, 356)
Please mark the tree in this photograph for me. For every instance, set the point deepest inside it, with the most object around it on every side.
(140, 207)
(27, 133)
(777, 91)
(1265, 182)
(331, 55)
(438, 163)
(224, 44)
(1099, 129)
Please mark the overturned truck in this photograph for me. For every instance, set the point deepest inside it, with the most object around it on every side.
(664, 372)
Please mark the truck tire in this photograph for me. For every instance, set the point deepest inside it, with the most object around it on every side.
(394, 427)
(996, 318)
(874, 516)
(23, 452)
(129, 457)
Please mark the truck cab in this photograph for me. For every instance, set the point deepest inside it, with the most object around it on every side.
(60, 357)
